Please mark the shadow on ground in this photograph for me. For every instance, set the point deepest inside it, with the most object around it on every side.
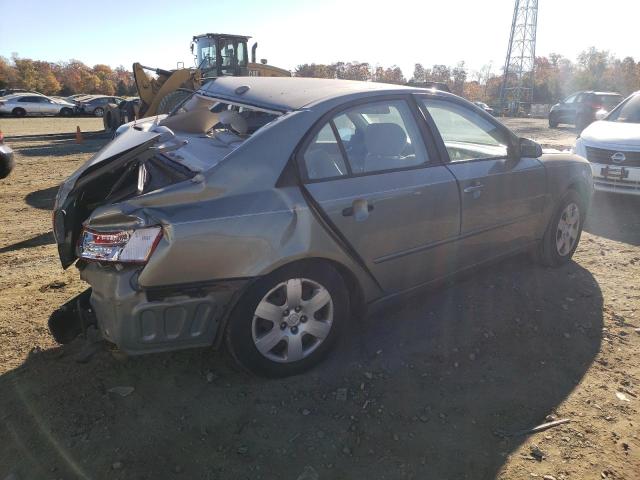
(418, 390)
(59, 148)
(42, 199)
(38, 240)
(616, 217)
(60, 136)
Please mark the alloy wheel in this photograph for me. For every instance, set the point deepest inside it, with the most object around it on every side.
(292, 320)
(568, 229)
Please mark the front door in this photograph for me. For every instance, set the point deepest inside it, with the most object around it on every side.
(383, 189)
(502, 197)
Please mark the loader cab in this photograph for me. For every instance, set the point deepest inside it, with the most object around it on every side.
(219, 54)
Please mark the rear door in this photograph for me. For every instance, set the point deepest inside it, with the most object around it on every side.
(31, 104)
(376, 178)
(502, 197)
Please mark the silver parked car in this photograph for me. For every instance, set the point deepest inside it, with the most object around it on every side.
(96, 104)
(264, 213)
(20, 105)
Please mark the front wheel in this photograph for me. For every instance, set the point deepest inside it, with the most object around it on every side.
(553, 121)
(563, 233)
(66, 112)
(98, 112)
(287, 321)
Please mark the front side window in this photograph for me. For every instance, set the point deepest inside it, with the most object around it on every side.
(466, 134)
(206, 53)
(570, 99)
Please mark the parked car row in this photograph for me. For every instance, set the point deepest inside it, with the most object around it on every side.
(20, 103)
(94, 104)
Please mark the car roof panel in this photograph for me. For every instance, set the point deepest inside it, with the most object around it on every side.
(292, 93)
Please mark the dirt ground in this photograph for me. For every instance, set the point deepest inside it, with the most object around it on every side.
(439, 387)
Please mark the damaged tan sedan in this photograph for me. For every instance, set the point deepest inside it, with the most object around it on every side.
(265, 213)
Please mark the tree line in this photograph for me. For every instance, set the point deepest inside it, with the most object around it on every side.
(555, 76)
(65, 78)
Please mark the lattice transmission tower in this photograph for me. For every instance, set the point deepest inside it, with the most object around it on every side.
(517, 86)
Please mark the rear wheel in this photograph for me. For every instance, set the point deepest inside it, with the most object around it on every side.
(287, 321)
(98, 112)
(563, 232)
(19, 112)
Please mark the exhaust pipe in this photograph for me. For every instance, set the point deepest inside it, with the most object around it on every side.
(253, 52)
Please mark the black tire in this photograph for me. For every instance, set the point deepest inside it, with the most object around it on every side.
(546, 252)
(172, 100)
(7, 162)
(239, 336)
(19, 112)
(66, 112)
(98, 112)
(553, 121)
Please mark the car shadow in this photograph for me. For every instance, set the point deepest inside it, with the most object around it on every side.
(42, 199)
(423, 389)
(60, 148)
(616, 217)
(93, 135)
(38, 240)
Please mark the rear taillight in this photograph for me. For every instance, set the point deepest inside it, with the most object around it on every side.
(124, 246)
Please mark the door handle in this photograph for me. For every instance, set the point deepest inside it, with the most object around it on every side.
(360, 209)
(473, 188)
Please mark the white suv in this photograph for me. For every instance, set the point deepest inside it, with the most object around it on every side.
(612, 145)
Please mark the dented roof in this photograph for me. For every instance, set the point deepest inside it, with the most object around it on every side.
(289, 93)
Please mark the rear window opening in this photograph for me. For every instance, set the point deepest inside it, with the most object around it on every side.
(220, 119)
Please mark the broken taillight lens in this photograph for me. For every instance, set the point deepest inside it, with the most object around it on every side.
(125, 246)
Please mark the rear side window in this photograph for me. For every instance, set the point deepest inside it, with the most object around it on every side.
(323, 158)
(466, 134)
(369, 138)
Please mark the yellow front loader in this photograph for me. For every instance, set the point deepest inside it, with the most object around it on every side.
(217, 55)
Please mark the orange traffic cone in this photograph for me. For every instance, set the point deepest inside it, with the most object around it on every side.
(79, 138)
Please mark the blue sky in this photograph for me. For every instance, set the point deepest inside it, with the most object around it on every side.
(291, 32)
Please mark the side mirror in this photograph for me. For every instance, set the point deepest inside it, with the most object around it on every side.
(529, 148)
(601, 114)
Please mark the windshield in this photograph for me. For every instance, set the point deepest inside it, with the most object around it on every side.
(627, 112)
(206, 54)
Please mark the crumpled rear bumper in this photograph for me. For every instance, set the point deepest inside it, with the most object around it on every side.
(141, 320)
